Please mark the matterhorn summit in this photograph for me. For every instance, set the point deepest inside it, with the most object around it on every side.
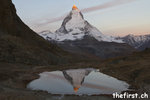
(76, 35)
(74, 27)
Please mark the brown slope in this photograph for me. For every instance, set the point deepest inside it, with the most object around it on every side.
(19, 44)
(103, 50)
(134, 68)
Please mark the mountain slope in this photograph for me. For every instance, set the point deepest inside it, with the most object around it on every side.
(145, 45)
(139, 42)
(76, 35)
(90, 45)
(74, 27)
(19, 44)
(133, 68)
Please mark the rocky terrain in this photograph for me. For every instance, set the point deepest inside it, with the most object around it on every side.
(139, 42)
(23, 55)
(78, 36)
(19, 44)
(103, 50)
(133, 69)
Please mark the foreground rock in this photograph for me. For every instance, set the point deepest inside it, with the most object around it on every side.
(133, 69)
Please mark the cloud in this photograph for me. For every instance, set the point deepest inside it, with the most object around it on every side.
(106, 5)
(110, 4)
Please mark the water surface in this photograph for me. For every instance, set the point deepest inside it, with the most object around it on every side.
(78, 82)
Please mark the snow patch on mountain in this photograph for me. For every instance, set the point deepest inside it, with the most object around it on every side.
(74, 27)
(136, 40)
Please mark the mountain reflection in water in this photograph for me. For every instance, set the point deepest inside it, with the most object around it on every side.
(78, 81)
(76, 77)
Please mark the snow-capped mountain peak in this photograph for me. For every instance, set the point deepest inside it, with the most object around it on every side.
(74, 22)
(74, 7)
(136, 40)
(74, 27)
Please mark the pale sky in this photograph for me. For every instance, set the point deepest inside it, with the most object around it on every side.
(119, 19)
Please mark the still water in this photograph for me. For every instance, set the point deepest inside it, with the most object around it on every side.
(78, 82)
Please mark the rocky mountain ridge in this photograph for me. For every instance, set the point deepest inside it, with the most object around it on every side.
(75, 27)
(19, 44)
(76, 35)
(139, 42)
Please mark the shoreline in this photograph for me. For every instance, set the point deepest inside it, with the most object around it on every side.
(28, 74)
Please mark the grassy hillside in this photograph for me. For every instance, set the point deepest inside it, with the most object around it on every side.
(135, 69)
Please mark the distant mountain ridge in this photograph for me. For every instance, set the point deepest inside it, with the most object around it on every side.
(139, 42)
